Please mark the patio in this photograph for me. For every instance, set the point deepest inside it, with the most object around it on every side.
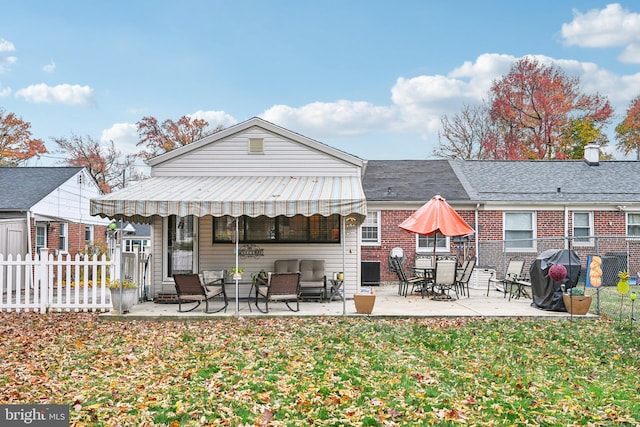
(388, 304)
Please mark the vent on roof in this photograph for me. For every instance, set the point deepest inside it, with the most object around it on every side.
(256, 145)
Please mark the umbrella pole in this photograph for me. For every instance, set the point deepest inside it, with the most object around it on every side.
(236, 276)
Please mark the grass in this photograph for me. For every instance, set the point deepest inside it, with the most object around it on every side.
(613, 304)
(323, 371)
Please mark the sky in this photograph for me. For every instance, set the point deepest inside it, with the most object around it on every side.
(370, 77)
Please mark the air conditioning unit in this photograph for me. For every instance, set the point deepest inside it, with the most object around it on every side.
(370, 272)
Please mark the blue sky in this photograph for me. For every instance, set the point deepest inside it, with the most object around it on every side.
(370, 77)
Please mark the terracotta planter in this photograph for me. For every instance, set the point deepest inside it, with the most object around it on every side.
(577, 304)
(364, 303)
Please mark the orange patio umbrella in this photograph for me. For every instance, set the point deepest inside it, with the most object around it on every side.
(437, 216)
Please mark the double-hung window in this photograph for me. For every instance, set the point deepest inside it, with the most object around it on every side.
(63, 239)
(371, 229)
(425, 243)
(582, 228)
(519, 230)
(633, 224)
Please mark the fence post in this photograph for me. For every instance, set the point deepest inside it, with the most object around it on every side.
(44, 279)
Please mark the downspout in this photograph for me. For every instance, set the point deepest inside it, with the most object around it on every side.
(476, 233)
(29, 234)
(566, 226)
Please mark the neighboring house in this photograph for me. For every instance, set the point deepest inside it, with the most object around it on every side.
(283, 195)
(516, 203)
(47, 207)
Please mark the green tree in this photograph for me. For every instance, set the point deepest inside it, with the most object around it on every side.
(628, 131)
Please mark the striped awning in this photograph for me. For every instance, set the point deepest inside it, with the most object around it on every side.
(235, 196)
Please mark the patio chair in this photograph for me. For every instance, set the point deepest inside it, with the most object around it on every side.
(189, 288)
(462, 281)
(444, 278)
(513, 272)
(403, 280)
(280, 287)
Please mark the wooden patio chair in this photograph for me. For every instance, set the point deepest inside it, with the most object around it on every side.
(280, 287)
(189, 288)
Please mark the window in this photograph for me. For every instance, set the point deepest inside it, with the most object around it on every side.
(129, 245)
(63, 237)
(425, 243)
(180, 244)
(633, 224)
(582, 228)
(88, 234)
(371, 229)
(282, 229)
(41, 237)
(518, 230)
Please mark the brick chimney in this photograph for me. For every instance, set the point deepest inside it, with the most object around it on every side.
(592, 154)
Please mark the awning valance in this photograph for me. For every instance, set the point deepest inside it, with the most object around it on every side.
(235, 196)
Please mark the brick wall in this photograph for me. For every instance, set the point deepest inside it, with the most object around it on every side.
(75, 236)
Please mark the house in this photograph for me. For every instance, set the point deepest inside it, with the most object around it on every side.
(247, 196)
(517, 207)
(48, 207)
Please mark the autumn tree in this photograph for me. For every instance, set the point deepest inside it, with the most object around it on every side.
(533, 107)
(16, 144)
(159, 138)
(628, 131)
(465, 134)
(108, 166)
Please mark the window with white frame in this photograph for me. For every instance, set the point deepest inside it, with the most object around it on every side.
(41, 237)
(371, 229)
(88, 234)
(633, 224)
(425, 243)
(582, 228)
(519, 230)
(63, 237)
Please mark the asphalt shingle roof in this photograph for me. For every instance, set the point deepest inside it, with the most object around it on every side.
(23, 187)
(539, 181)
(411, 180)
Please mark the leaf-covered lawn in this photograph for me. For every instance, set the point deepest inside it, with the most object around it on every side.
(323, 371)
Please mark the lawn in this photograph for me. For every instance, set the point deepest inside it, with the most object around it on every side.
(323, 371)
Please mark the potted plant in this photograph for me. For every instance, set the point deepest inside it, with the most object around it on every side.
(576, 302)
(129, 291)
(236, 273)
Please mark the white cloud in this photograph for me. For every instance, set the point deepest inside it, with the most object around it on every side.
(215, 118)
(60, 94)
(341, 118)
(124, 137)
(6, 46)
(50, 67)
(5, 92)
(608, 27)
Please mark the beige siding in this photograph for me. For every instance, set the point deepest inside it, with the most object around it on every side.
(231, 157)
(222, 256)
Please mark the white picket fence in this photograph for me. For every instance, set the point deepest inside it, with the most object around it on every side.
(60, 283)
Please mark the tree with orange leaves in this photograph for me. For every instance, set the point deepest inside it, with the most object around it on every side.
(534, 105)
(628, 131)
(103, 162)
(16, 144)
(159, 138)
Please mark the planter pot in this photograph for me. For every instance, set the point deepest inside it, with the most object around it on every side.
(129, 299)
(577, 304)
(364, 303)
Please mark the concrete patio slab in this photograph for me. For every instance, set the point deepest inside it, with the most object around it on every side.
(388, 304)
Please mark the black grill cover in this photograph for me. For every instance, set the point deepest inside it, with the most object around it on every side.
(547, 294)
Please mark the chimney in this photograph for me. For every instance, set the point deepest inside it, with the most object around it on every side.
(592, 154)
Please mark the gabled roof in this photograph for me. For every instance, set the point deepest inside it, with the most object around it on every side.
(549, 181)
(23, 187)
(411, 181)
(263, 124)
